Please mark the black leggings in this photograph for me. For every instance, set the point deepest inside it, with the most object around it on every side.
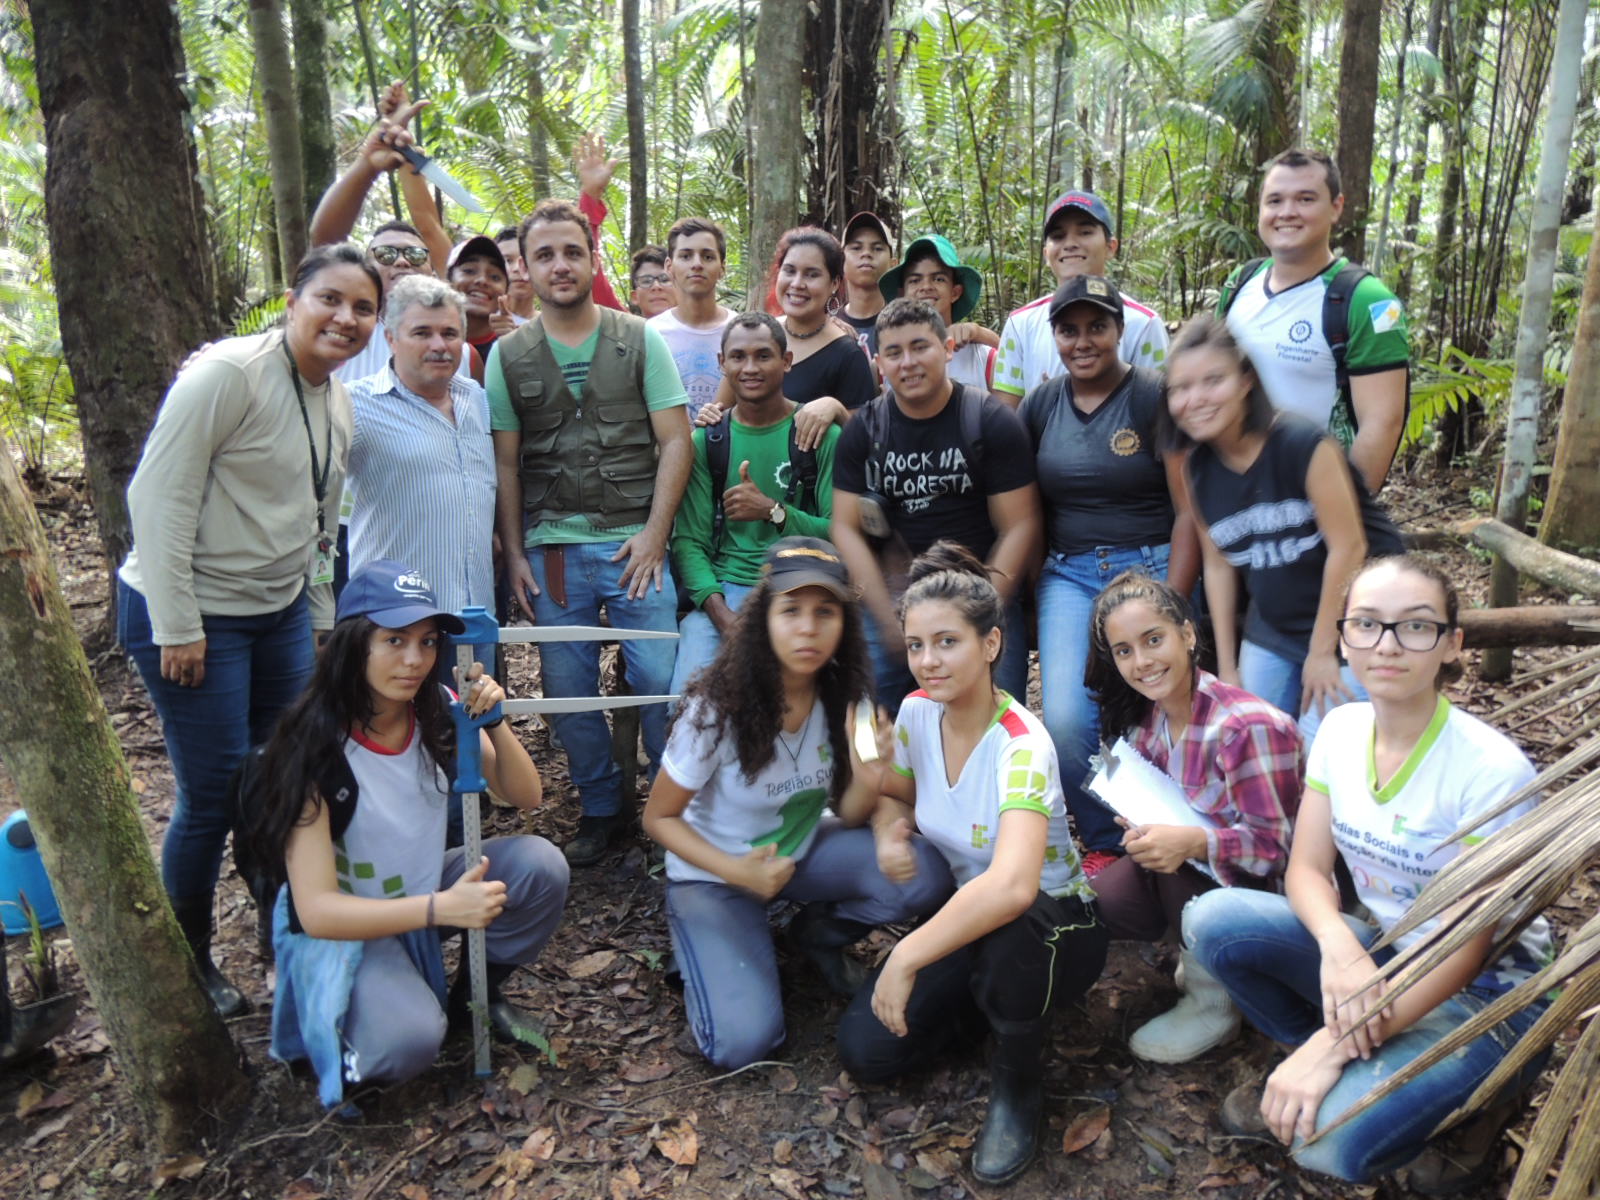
(1007, 980)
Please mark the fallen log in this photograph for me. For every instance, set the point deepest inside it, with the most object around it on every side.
(1558, 569)
(1531, 625)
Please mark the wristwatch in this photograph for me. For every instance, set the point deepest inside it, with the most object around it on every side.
(778, 514)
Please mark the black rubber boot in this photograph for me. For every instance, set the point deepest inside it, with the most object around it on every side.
(507, 1021)
(194, 918)
(822, 938)
(1010, 1132)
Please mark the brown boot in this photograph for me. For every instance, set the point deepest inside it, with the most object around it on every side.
(1464, 1155)
(1241, 1112)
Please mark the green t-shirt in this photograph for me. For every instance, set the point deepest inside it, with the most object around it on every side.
(662, 389)
(744, 543)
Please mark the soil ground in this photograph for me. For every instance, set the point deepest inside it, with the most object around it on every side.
(626, 1112)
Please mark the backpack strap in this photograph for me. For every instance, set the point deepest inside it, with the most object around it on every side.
(875, 414)
(972, 402)
(801, 490)
(718, 450)
(1240, 277)
(1336, 318)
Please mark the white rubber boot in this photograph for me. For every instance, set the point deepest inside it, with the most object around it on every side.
(1202, 1020)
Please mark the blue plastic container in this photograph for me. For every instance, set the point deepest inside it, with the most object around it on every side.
(22, 874)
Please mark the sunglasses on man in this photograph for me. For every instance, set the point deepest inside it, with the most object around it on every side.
(386, 256)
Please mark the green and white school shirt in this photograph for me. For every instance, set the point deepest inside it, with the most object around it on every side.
(394, 845)
(782, 805)
(1391, 836)
(1013, 766)
(1282, 333)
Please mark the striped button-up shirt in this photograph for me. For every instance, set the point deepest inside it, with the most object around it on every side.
(424, 486)
(1242, 763)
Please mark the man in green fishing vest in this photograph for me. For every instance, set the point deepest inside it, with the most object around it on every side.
(591, 439)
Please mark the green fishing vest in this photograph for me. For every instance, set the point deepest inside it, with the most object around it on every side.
(596, 459)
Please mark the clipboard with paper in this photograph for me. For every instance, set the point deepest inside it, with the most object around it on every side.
(1129, 784)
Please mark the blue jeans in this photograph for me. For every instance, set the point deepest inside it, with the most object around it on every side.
(698, 638)
(1068, 585)
(255, 667)
(893, 680)
(1267, 674)
(1257, 948)
(723, 941)
(573, 668)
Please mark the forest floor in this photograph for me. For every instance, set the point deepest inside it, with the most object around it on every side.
(627, 1112)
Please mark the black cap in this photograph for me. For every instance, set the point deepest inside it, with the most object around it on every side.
(477, 246)
(1086, 289)
(796, 562)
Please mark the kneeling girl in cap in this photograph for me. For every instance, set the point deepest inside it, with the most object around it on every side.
(352, 804)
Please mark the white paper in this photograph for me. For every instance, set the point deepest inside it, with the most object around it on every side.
(1142, 795)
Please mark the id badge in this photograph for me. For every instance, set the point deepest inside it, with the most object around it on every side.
(322, 561)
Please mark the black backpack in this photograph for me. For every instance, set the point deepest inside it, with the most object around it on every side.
(801, 490)
(1335, 315)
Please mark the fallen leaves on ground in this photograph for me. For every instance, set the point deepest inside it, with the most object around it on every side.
(1085, 1129)
(677, 1142)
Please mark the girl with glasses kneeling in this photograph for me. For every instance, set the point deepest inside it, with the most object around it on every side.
(1388, 781)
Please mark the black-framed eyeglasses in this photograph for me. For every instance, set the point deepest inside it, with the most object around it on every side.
(640, 282)
(1413, 633)
(387, 255)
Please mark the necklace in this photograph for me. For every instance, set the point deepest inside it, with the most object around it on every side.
(794, 755)
(801, 337)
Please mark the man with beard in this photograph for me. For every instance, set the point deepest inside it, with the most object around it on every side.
(591, 440)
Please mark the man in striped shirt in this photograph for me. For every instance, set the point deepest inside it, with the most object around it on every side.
(1078, 240)
(421, 459)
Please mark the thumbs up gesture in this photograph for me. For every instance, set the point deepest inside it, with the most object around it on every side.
(500, 319)
(764, 871)
(895, 858)
(744, 501)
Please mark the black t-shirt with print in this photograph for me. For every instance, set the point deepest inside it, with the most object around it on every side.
(1263, 523)
(928, 474)
(1099, 476)
(866, 330)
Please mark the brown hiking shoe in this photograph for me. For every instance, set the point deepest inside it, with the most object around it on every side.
(1464, 1155)
(1241, 1112)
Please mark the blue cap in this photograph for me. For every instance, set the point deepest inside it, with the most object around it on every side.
(1085, 202)
(392, 595)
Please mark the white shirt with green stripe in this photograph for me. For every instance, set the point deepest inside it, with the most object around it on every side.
(1392, 836)
(1013, 766)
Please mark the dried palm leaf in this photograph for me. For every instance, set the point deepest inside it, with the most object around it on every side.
(1555, 1118)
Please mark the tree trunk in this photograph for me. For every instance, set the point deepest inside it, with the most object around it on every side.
(1556, 568)
(1544, 226)
(319, 157)
(1426, 116)
(1533, 625)
(1358, 106)
(638, 159)
(538, 142)
(853, 164)
(172, 1048)
(777, 133)
(1276, 131)
(1572, 510)
(115, 136)
(276, 76)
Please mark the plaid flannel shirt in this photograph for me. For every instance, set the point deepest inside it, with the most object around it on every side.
(1239, 761)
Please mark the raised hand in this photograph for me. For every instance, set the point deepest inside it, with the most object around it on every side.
(744, 501)
(594, 168)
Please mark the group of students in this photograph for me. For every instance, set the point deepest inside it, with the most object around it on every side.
(856, 527)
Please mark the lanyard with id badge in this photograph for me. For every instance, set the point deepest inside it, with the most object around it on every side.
(322, 560)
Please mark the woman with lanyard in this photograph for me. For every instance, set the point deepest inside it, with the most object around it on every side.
(234, 507)
(1108, 508)
(975, 773)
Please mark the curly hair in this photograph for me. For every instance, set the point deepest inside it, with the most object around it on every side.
(1121, 707)
(309, 740)
(740, 693)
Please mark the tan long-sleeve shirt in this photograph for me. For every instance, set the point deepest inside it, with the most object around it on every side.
(223, 512)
